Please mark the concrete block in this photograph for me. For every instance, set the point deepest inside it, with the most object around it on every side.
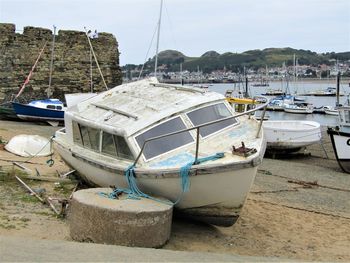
(127, 222)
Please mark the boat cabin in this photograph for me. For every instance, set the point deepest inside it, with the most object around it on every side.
(51, 104)
(105, 124)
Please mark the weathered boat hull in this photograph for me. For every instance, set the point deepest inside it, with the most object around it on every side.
(341, 146)
(287, 135)
(216, 195)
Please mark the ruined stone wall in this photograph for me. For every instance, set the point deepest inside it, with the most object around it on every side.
(71, 64)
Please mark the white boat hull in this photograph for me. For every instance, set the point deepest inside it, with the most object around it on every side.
(291, 134)
(298, 111)
(332, 112)
(215, 198)
(341, 146)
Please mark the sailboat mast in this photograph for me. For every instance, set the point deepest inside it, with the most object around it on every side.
(52, 53)
(91, 84)
(294, 68)
(158, 34)
(338, 88)
(93, 53)
(31, 72)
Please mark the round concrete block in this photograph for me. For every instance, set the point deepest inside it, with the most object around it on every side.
(127, 222)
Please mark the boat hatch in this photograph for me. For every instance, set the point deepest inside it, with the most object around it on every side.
(101, 141)
(211, 113)
(165, 144)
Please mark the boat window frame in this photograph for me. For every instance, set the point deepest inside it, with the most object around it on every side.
(220, 130)
(100, 140)
(139, 147)
(116, 140)
(114, 144)
(76, 128)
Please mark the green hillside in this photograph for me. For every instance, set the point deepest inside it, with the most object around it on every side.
(211, 60)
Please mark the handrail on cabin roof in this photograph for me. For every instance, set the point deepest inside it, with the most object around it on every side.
(258, 107)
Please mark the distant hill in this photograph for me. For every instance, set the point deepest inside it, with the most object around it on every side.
(270, 57)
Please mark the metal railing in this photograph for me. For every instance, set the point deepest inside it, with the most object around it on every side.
(263, 105)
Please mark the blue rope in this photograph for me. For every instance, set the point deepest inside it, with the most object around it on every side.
(134, 192)
(185, 172)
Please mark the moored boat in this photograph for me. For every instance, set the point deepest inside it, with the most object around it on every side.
(332, 111)
(329, 92)
(274, 92)
(181, 143)
(301, 108)
(278, 103)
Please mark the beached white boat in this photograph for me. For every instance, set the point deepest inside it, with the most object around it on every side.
(289, 135)
(301, 108)
(29, 145)
(340, 137)
(154, 131)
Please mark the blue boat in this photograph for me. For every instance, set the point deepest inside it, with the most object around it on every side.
(49, 110)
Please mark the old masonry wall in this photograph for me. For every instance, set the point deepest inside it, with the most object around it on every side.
(71, 63)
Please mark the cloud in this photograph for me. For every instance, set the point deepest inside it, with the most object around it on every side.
(196, 26)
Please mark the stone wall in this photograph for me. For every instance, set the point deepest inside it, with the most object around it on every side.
(71, 64)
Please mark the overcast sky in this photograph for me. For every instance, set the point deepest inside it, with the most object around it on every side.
(194, 26)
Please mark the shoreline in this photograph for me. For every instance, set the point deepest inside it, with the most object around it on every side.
(343, 81)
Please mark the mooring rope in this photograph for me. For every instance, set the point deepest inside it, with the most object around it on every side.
(133, 192)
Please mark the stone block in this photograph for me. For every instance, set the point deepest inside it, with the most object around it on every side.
(127, 222)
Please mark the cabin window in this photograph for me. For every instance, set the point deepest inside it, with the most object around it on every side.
(85, 136)
(112, 145)
(91, 137)
(76, 133)
(94, 137)
(166, 144)
(211, 113)
(59, 107)
(50, 107)
(123, 149)
(108, 145)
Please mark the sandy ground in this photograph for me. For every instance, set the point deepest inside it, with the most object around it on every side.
(285, 215)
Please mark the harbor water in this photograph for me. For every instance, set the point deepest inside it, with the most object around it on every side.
(295, 89)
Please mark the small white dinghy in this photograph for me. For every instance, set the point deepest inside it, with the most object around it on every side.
(29, 145)
(291, 135)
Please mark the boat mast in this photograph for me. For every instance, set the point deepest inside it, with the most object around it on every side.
(51, 62)
(295, 68)
(31, 72)
(338, 86)
(93, 53)
(91, 84)
(158, 34)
